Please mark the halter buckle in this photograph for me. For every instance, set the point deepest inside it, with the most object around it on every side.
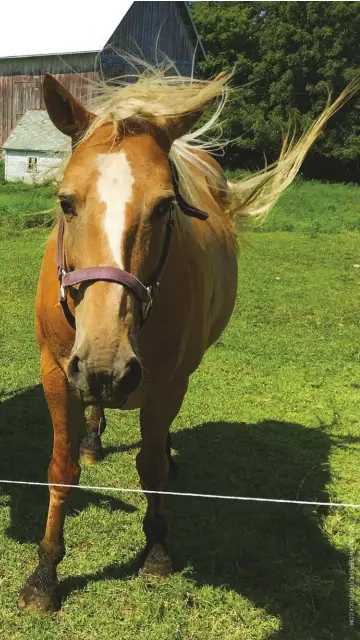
(147, 306)
(62, 292)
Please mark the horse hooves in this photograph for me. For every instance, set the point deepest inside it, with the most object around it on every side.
(91, 456)
(157, 563)
(32, 599)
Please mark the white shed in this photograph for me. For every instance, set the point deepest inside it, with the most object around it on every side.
(34, 149)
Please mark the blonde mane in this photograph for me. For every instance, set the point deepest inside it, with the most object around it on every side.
(157, 97)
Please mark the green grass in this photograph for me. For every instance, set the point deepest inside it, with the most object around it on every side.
(317, 207)
(314, 207)
(309, 206)
(273, 411)
(24, 206)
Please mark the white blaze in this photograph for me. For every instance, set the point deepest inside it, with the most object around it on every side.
(115, 189)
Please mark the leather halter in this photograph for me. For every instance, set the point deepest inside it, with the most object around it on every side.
(144, 293)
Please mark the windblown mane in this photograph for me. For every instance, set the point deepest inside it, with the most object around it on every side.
(157, 96)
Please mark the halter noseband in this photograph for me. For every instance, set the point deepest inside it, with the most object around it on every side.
(144, 293)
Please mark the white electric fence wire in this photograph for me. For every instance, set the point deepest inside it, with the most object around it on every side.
(181, 494)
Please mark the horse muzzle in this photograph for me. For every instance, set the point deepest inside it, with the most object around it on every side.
(102, 387)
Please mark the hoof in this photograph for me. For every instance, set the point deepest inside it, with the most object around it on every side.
(91, 450)
(32, 599)
(88, 456)
(157, 563)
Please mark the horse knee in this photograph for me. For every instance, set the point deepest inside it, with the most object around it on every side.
(153, 468)
(63, 471)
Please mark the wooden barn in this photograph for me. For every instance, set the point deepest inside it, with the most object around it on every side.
(77, 40)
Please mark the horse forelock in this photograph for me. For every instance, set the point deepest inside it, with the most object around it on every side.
(153, 103)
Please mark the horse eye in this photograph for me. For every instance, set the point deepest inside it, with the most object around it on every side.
(163, 207)
(67, 206)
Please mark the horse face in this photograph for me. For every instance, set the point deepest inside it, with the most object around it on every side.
(114, 198)
(116, 191)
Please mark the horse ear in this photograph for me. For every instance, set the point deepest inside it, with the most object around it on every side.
(178, 126)
(65, 111)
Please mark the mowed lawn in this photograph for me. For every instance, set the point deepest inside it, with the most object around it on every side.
(274, 411)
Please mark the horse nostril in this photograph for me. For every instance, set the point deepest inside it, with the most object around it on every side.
(105, 384)
(76, 372)
(74, 365)
(132, 375)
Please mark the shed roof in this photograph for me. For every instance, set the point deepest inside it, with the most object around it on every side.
(36, 132)
(73, 28)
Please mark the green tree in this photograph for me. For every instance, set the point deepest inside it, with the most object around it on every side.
(287, 55)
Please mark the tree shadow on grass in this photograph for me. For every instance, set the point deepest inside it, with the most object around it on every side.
(26, 438)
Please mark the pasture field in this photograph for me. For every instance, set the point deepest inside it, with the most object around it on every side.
(274, 411)
(309, 206)
(24, 206)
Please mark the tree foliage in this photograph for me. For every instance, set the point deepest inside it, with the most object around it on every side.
(287, 56)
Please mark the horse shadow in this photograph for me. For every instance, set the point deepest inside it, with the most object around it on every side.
(26, 438)
(276, 555)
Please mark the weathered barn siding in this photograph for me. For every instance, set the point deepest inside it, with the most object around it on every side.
(19, 93)
(149, 30)
(16, 166)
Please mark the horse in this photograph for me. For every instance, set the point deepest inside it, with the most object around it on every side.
(138, 279)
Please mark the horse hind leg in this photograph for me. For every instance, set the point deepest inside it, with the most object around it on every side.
(91, 450)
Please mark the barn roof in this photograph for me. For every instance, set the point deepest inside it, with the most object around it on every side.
(36, 132)
(75, 27)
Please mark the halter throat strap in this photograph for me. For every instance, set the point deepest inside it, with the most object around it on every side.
(145, 294)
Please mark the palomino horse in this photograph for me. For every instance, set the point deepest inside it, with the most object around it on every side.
(146, 224)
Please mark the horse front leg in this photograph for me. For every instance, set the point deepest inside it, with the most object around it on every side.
(91, 450)
(153, 467)
(67, 413)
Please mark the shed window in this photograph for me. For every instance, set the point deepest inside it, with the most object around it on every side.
(32, 164)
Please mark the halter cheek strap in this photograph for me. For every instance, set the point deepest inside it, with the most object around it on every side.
(145, 294)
